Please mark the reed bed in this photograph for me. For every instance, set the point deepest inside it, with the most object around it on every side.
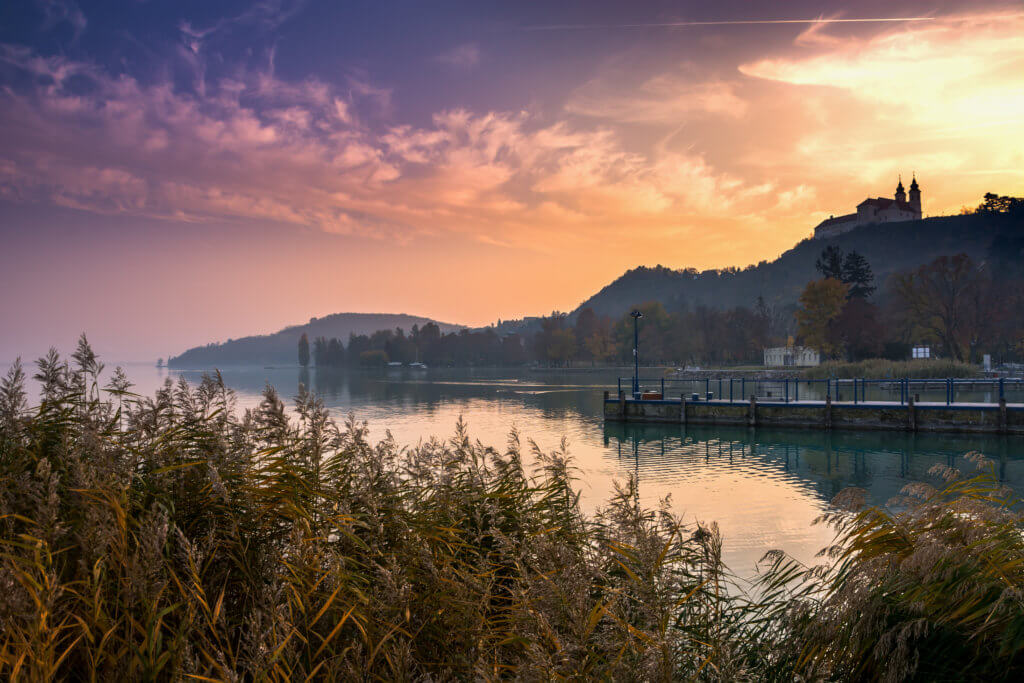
(173, 538)
(879, 368)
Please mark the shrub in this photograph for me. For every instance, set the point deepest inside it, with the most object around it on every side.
(877, 368)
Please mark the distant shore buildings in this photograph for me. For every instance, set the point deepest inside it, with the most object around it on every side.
(791, 356)
(878, 210)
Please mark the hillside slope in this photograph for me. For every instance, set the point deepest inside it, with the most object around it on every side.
(281, 348)
(888, 248)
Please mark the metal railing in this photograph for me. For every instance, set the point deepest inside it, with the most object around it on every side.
(949, 391)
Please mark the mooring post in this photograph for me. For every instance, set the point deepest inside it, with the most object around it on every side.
(622, 405)
(1002, 415)
(911, 414)
(682, 408)
(1002, 393)
(828, 411)
(787, 390)
(854, 391)
(752, 414)
(743, 387)
(663, 387)
(797, 399)
(730, 389)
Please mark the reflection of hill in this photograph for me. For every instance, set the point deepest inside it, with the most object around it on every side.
(881, 463)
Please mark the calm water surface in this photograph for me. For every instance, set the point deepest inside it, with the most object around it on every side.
(763, 487)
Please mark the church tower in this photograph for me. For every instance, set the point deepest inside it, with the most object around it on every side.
(901, 196)
(915, 196)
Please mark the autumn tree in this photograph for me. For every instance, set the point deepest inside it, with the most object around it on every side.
(945, 301)
(821, 303)
(858, 330)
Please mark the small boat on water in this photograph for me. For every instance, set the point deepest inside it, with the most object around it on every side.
(417, 366)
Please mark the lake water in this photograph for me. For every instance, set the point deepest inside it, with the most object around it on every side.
(763, 487)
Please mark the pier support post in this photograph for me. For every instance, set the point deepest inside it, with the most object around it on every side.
(752, 414)
(828, 410)
(622, 405)
(682, 409)
(912, 413)
(1002, 415)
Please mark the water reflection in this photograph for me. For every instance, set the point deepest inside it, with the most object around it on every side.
(880, 462)
(763, 487)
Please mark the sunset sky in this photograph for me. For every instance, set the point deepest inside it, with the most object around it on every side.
(173, 173)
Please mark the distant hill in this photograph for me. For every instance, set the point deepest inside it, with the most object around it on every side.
(281, 348)
(887, 247)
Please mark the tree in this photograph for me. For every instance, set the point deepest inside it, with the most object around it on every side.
(858, 331)
(303, 350)
(821, 303)
(945, 301)
(562, 346)
(856, 273)
(1001, 204)
(830, 263)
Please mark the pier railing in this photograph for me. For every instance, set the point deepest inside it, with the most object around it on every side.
(860, 390)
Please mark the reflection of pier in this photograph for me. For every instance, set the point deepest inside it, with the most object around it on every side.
(881, 463)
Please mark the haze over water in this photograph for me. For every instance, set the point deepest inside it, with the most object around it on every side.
(763, 487)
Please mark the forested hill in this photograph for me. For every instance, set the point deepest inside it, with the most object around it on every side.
(888, 248)
(281, 348)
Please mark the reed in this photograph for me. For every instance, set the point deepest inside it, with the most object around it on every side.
(170, 537)
(879, 368)
(927, 588)
(174, 537)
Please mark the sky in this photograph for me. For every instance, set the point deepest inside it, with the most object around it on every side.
(175, 173)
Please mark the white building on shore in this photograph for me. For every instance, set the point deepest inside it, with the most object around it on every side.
(791, 356)
(877, 210)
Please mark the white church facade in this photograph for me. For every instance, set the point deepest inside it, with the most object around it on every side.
(878, 210)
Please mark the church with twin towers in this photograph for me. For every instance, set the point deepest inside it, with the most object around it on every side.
(902, 207)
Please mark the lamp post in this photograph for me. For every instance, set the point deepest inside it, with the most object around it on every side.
(636, 352)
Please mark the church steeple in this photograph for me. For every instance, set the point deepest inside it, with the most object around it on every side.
(915, 195)
(901, 196)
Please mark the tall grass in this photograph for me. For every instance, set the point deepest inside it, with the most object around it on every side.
(878, 368)
(931, 588)
(166, 538)
(172, 538)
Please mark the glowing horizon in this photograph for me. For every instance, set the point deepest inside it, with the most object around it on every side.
(252, 166)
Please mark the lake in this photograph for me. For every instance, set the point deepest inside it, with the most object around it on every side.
(763, 487)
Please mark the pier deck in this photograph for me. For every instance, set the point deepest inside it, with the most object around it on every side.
(994, 418)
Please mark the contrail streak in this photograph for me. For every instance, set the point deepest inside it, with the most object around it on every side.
(728, 22)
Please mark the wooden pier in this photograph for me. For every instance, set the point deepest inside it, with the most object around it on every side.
(991, 418)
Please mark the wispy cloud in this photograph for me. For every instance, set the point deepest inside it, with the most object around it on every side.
(256, 147)
(63, 11)
(726, 22)
(464, 56)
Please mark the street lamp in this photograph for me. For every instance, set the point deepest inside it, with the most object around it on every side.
(636, 352)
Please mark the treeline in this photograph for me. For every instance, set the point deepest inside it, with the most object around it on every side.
(960, 309)
(426, 344)
(732, 336)
(960, 306)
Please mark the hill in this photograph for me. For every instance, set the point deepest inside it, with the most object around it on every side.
(888, 248)
(280, 348)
